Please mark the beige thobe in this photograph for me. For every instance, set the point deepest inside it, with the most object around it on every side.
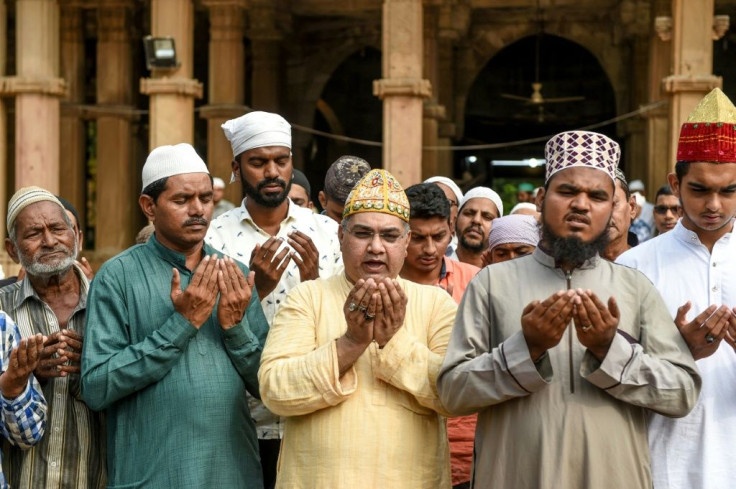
(533, 430)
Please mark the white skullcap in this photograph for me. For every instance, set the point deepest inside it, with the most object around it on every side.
(514, 228)
(636, 186)
(256, 130)
(483, 193)
(25, 197)
(167, 161)
(218, 183)
(523, 205)
(450, 183)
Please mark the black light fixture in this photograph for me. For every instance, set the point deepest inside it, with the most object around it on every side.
(160, 52)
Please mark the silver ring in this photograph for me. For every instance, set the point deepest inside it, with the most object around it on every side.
(369, 317)
(362, 308)
(586, 327)
(709, 338)
(352, 307)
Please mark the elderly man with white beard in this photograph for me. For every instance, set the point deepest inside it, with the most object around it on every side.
(51, 300)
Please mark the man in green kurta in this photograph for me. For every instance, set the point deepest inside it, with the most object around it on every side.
(174, 340)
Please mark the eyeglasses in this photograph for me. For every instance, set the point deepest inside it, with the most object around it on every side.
(662, 209)
(387, 237)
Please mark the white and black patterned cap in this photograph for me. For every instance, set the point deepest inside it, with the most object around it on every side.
(582, 148)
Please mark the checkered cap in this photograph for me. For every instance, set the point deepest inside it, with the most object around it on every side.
(582, 148)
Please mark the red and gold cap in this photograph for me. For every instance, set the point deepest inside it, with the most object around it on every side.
(378, 191)
(710, 131)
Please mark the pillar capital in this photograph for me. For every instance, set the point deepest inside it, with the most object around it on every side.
(691, 83)
(14, 85)
(413, 87)
(171, 86)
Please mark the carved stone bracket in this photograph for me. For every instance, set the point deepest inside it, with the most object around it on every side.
(721, 23)
(413, 87)
(171, 86)
(689, 83)
(434, 111)
(222, 111)
(663, 27)
(90, 112)
(15, 85)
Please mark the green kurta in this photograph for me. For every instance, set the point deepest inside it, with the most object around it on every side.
(177, 414)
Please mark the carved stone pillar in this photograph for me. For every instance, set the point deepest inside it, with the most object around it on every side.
(73, 185)
(226, 88)
(172, 92)
(692, 62)
(402, 89)
(433, 112)
(265, 36)
(118, 176)
(37, 89)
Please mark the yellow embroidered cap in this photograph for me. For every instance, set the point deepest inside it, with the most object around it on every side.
(378, 191)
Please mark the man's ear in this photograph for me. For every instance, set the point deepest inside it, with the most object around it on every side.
(147, 206)
(540, 199)
(322, 197)
(674, 184)
(632, 205)
(12, 252)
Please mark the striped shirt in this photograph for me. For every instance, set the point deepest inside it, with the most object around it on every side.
(23, 418)
(72, 454)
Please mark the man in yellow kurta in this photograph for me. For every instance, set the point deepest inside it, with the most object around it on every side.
(352, 360)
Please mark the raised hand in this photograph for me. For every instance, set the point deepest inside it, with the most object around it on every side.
(198, 300)
(23, 360)
(703, 334)
(58, 349)
(543, 323)
(305, 255)
(390, 315)
(86, 268)
(361, 304)
(268, 265)
(235, 292)
(595, 323)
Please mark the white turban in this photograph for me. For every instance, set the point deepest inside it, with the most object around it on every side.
(25, 197)
(218, 183)
(167, 161)
(256, 130)
(483, 193)
(450, 183)
(514, 228)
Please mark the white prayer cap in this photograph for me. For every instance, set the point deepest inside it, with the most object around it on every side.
(514, 228)
(523, 205)
(218, 183)
(167, 161)
(450, 183)
(636, 186)
(483, 193)
(256, 130)
(25, 197)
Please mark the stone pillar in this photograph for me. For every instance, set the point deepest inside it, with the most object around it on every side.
(659, 163)
(37, 88)
(265, 35)
(692, 63)
(402, 89)
(73, 185)
(226, 87)
(433, 112)
(172, 92)
(118, 178)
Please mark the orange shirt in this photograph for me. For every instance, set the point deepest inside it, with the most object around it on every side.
(460, 431)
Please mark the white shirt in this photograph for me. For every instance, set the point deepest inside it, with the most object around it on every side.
(235, 234)
(694, 452)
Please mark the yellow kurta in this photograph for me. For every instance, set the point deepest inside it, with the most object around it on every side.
(377, 426)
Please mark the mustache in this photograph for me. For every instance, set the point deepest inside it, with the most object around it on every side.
(270, 181)
(196, 220)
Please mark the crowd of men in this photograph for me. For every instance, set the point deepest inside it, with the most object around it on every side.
(402, 338)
